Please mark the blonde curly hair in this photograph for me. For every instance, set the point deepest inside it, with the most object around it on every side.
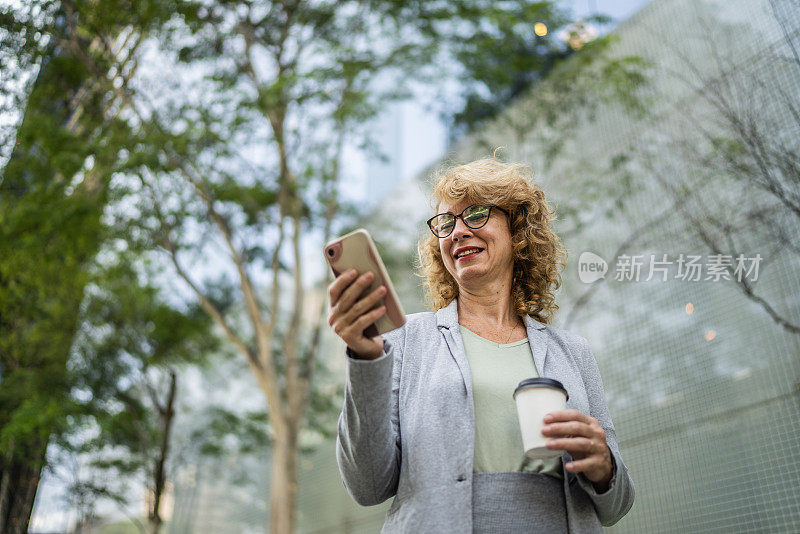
(538, 253)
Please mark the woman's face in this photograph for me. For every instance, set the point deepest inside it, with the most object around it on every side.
(491, 256)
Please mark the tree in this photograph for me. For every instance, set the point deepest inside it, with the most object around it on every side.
(127, 360)
(284, 201)
(500, 55)
(60, 156)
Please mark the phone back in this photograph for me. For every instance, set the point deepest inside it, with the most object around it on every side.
(356, 250)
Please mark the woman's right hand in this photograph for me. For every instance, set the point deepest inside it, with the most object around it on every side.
(350, 316)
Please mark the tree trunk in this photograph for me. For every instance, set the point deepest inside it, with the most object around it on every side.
(154, 525)
(166, 413)
(283, 483)
(19, 480)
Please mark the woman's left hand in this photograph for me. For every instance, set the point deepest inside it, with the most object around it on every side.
(582, 436)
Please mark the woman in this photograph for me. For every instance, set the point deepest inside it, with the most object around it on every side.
(428, 415)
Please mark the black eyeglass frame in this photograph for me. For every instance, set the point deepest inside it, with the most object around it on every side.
(461, 216)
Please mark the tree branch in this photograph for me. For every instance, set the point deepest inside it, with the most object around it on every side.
(170, 247)
(637, 233)
(711, 243)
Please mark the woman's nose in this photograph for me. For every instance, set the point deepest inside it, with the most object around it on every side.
(460, 230)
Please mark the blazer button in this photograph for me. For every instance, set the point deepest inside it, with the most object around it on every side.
(461, 478)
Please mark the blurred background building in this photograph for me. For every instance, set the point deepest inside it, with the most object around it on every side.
(385, 168)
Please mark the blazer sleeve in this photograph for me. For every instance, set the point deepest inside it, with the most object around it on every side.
(368, 440)
(615, 502)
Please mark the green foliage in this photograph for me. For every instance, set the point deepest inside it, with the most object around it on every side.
(57, 161)
(131, 341)
(128, 326)
(324, 403)
(253, 199)
(501, 55)
(569, 88)
(224, 432)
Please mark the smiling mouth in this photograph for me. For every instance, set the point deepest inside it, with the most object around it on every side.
(468, 254)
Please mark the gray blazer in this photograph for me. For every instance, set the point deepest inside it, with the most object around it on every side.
(407, 427)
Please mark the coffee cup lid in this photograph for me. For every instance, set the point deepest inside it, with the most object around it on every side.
(541, 382)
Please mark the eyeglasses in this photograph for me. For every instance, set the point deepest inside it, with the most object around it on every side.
(474, 217)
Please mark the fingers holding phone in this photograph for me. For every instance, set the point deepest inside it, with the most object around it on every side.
(351, 314)
(364, 304)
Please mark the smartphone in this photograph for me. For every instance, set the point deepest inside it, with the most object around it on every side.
(357, 250)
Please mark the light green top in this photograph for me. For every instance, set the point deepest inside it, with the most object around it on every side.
(497, 369)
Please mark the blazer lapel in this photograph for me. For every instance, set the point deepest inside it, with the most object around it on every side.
(447, 322)
(537, 337)
(550, 364)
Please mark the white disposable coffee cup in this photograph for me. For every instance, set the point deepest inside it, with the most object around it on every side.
(535, 398)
